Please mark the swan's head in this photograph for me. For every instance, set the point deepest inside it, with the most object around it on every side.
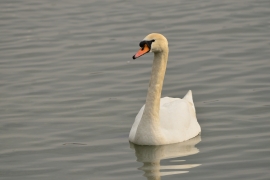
(153, 42)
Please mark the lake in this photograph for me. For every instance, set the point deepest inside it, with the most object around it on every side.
(70, 91)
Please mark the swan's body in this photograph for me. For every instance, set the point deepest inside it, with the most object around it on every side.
(162, 120)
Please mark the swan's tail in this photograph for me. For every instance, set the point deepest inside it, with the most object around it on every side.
(189, 98)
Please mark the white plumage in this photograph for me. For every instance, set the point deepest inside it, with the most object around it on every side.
(163, 120)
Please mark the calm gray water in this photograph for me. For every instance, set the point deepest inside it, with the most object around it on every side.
(69, 90)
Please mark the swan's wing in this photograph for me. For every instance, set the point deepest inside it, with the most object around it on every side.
(175, 114)
(178, 118)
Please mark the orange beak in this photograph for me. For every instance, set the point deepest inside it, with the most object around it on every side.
(141, 52)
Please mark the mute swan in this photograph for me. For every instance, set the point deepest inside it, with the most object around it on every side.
(162, 120)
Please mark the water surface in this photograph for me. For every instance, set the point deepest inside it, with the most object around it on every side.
(69, 90)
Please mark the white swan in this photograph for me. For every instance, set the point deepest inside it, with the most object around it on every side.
(162, 120)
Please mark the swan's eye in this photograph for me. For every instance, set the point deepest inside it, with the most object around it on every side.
(149, 43)
(142, 43)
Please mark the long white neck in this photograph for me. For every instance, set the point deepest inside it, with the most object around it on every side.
(148, 131)
(152, 105)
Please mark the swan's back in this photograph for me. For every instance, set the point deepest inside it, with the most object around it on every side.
(178, 120)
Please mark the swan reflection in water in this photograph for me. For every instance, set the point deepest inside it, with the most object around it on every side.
(151, 156)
